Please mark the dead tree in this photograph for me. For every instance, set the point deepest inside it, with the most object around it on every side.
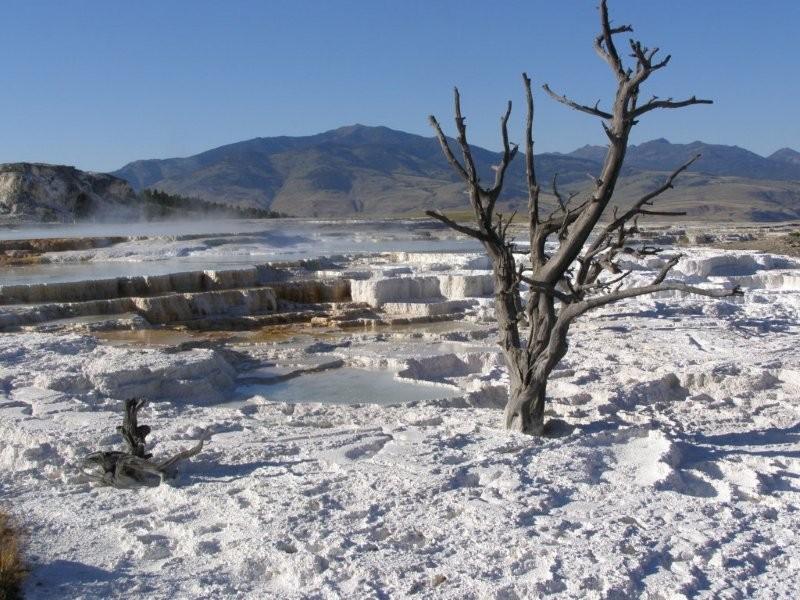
(580, 274)
(123, 469)
(133, 433)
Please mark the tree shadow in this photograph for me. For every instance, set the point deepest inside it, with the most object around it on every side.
(67, 579)
(712, 447)
(753, 327)
(207, 471)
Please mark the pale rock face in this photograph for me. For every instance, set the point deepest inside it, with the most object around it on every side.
(772, 281)
(377, 292)
(382, 290)
(236, 278)
(32, 192)
(429, 259)
(425, 309)
(167, 308)
(76, 365)
(733, 264)
(196, 376)
(146, 285)
(440, 368)
(466, 285)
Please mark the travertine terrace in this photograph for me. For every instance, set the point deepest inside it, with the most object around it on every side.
(347, 381)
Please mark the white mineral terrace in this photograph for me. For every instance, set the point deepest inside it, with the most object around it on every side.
(351, 397)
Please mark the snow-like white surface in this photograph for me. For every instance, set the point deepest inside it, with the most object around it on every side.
(673, 470)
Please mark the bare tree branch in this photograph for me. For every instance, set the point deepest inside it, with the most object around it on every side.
(553, 276)
(595, 111)
(580, 308)
(604, 43)
(509, 153)
(636, 209)
(544, 288)
(460, 228)
(448, 152)
(603, 284)
(530, 171)
(562, 202)
(662, 274)
(462, 138)
(668, 103)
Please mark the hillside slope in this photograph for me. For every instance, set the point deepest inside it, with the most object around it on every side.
(351, 170)
(360, 170)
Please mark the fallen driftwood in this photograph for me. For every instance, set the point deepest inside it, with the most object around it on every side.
(124, 469)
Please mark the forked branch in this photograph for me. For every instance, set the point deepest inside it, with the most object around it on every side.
(604, 43)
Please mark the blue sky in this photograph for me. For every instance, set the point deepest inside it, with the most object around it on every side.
(100, 83)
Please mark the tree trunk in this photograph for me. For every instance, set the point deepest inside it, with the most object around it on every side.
(525, 406)
(527, 394)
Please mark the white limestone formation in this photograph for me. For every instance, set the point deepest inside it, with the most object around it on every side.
(378, 291)
(682, 411)
(168, 308)
(457, 260)
(466, 285)
(425, 309)
(146, 285)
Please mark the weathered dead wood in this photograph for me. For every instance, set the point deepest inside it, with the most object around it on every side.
(134, 434)
(121, 469)
(548, 296)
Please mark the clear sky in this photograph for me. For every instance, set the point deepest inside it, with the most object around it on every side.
(98, 83)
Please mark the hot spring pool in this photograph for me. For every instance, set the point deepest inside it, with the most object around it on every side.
(348, 386)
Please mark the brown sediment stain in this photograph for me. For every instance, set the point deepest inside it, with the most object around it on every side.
(17, 253)
(174, 336)
(41, 245)
(20, 258)
(157, 337)
(285, 333)
(312, 291)
(788, 245)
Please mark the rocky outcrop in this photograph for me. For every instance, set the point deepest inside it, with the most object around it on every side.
(380, 291)
(307, 291)
(32, 192)
(169, 308)
(176, 297)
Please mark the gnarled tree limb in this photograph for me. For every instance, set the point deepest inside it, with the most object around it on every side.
(124, 469)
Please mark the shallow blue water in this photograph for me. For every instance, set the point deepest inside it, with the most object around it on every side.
(348, 386)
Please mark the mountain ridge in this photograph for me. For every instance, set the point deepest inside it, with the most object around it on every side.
(360, 169)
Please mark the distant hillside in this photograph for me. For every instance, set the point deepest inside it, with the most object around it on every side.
(786, 155)
(351, 170)
(359, 170)
(661, 155)
(717, 198)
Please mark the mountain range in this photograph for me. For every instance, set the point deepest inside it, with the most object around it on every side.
(361, 170)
